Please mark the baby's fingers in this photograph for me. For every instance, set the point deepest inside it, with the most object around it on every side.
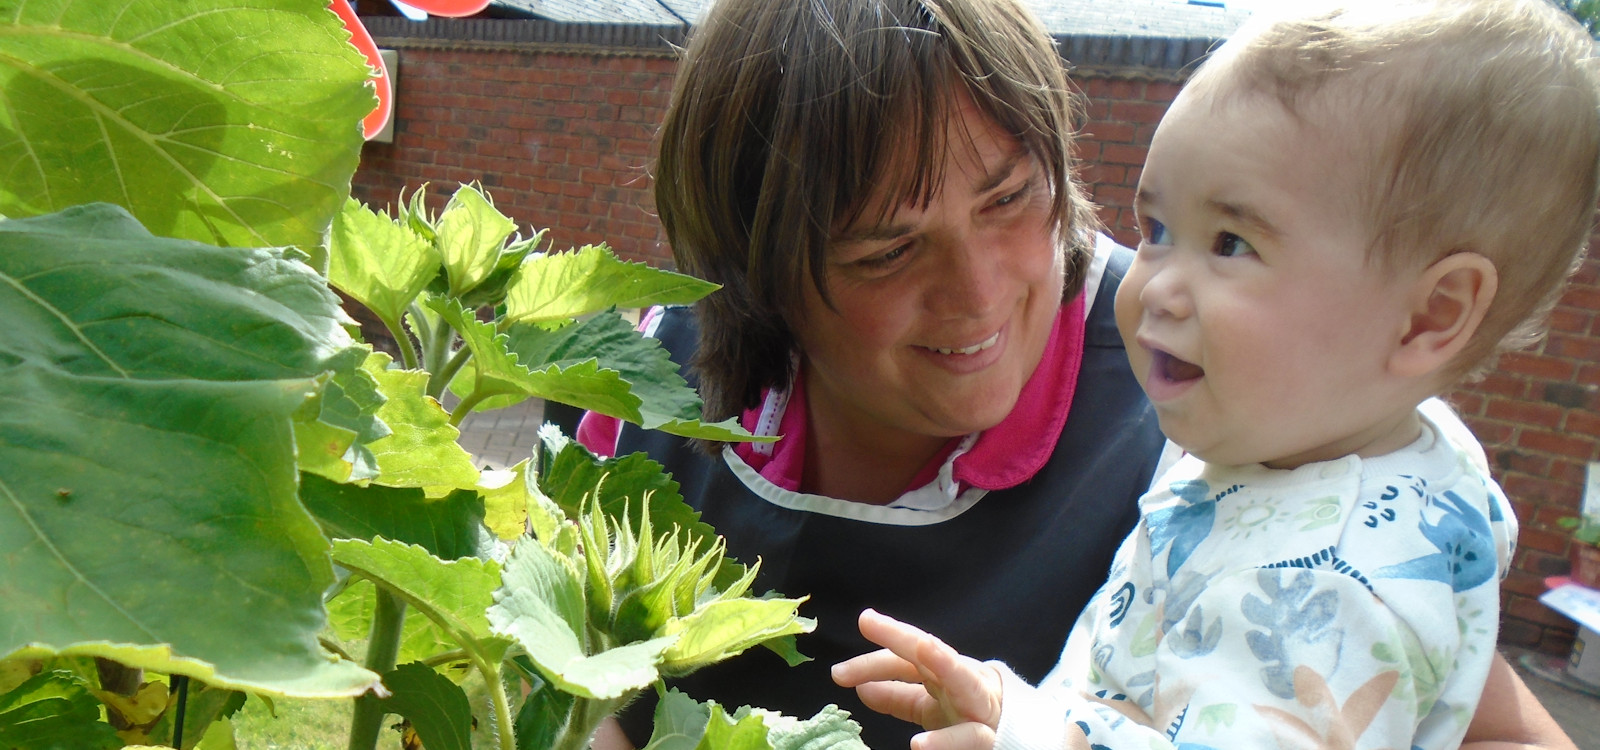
(966, 736)
(892, 634)
(904, 701)
(882, 664)
(968, 690)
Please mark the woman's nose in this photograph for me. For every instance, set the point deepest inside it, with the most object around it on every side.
(968, 281)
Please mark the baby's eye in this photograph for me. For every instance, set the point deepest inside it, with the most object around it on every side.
(1230, 245)
(1155, 233)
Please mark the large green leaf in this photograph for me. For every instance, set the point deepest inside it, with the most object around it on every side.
(543, 715)
(573, 476)
(54, 710)
(742, 731)
(453, 594)
(682, 723)
(541, 606)
(128, 506)
(496, 371)
(721, 629)
(559, 286)
(609, 339)
(437, 708)
(422, 448)
(334, 431)
(378, 262)
(92, 292)
(585, 384)
(351, 612)
(446, 527)
(230, 121)
(829, 729)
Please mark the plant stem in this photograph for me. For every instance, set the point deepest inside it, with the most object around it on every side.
(383, 645)
(448, 657)
(502, 705)
(587, 713)
(437, 348)
(441, 379)
(465, 407)
(408, 353)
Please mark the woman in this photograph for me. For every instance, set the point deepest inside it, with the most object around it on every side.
(914, 297)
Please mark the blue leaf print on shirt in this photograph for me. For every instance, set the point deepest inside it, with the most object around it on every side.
(1466, 556)
(1185, 526)
(1293, 616)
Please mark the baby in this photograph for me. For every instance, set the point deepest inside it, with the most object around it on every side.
(1341, 216)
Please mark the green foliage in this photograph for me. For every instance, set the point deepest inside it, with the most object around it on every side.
(436, 707)
(136, 425)
(1586, 11)
(225, 121)
(54, 710)
(190, 438)
(681, 723)
(1585, 529)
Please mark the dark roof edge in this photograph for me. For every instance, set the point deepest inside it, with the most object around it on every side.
(1156, 57)
(1151, 56)
(597, 38)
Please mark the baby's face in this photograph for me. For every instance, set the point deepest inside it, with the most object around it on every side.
(1251, 316)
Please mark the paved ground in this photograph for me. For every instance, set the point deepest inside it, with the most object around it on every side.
(504, 437)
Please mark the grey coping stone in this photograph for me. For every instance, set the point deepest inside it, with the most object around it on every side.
(1174, 19)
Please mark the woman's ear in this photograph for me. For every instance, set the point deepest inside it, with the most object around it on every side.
(1448, 302)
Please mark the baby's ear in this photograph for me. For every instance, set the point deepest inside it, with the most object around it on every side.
(1448, 302)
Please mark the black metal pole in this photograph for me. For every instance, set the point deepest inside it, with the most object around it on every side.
(181, 683)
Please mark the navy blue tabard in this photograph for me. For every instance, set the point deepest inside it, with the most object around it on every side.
(1004, 580)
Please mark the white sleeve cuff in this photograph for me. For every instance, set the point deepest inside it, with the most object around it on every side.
(1030, 718)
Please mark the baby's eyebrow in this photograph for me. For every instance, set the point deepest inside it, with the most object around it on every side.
(1245, 214)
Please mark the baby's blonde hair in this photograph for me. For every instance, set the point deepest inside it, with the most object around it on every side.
(1485, 117)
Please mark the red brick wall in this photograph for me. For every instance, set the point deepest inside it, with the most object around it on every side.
(562, 141)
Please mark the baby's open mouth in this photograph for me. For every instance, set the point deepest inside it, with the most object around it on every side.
(1174, 370)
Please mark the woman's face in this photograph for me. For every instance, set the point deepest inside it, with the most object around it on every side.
(941, 312)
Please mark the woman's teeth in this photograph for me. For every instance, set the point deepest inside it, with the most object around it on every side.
(975, 348)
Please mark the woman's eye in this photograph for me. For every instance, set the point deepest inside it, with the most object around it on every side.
(1230, 245)
(1155, 233)
(886, 259)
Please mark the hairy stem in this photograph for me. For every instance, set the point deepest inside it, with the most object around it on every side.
(440, 380)
(586, 716)
(465, 407)
(437, 348)
(408, 353)
(502, 705)
(383, 645)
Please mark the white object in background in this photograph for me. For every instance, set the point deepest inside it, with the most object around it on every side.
(1591, 491)
(1583, 664)
(1580, 603)
(415, 14)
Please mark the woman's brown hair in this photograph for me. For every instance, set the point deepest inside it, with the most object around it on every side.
(790, 118)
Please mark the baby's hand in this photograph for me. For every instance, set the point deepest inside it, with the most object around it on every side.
(918, 678)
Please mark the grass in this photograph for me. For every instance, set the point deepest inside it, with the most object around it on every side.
(293, 724)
